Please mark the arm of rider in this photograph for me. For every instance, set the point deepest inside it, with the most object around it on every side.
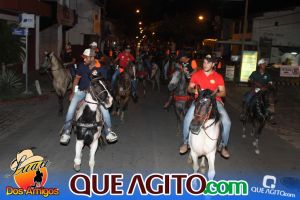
(75, 83)
(192, 89)
(221, 91)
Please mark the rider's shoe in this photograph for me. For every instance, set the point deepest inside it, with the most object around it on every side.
(225, 153)
(111, 137)
(65, 137)
(183, 149)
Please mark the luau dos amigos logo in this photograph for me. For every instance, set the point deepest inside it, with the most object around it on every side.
(30, 175)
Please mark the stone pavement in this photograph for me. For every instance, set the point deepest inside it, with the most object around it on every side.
(287, 111)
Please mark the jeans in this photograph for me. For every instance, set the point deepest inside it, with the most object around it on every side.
(114, 79)
(133, 86)
(78, 96)
(223, 117)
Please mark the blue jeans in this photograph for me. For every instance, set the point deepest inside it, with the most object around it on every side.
(223, 117)
(114, 79)
(133, 86)
(78, 96)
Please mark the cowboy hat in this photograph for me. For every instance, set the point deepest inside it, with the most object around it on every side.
(24, 157)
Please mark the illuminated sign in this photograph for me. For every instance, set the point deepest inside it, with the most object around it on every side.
(249, 60)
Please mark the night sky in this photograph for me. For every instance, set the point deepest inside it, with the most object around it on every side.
(123, 11)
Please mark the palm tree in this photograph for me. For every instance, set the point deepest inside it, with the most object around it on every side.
(12, 47)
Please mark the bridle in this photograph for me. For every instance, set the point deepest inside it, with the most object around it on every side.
(95, 95)
(206, 118)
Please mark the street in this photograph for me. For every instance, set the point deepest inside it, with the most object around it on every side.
(148, 142)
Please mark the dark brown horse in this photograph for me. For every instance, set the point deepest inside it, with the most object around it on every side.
(122, 94)
(62, 79)
(260, 110)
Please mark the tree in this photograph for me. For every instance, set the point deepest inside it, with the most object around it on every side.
(12, 47)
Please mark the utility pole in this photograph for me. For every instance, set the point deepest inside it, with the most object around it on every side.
(245, 25)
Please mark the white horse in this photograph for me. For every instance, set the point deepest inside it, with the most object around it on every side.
(89, 121)
(155, 76)
(204, 132)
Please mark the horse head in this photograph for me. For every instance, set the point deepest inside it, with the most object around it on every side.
(124, 84)
(205, 108)
(100, 93)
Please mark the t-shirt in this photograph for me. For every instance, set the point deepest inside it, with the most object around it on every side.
(85, 73)
(125, 59)
(261, 79)
(211, 81)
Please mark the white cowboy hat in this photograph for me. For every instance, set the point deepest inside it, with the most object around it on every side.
(93, 44)
(24, 157)
(88, 52)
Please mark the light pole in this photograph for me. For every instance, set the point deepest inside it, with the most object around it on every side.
(245, 25)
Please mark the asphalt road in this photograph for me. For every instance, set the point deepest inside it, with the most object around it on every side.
(148, 142)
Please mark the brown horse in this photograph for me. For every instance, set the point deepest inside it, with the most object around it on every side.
(62, 79)
(122, 95)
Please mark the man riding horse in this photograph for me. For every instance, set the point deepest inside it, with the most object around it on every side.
(259, 80)
(207, 78)
(185, 63)
(80, 85)
(124, 58)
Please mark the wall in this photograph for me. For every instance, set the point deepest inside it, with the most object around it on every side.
(85, 10)
(283, 27)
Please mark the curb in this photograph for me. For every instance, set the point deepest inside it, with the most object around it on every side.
(25, 100)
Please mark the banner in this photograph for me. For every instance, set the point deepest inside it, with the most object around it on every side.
(229, 75)
(289, 71)
(65, 16)
(249, 61)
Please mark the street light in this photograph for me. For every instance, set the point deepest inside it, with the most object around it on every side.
(141, 28)
(137, 11)
(140, 23)
(200, 17)
(153, 33)
(137, 37)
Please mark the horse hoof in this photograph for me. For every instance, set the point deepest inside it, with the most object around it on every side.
(243, 136)
(202, 169)
(76, 168)
(254, 143)
(252, 134)
(257, 152)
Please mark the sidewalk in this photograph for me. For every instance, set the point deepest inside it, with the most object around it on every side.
(287, 111)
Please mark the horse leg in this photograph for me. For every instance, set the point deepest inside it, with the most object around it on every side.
(93, 148)
(61, 105)
(157, 82)
(211, 165)
(257, 134)
(195, 161)
(244, 129)
(144, 86)
(78, 155)
(202, 165)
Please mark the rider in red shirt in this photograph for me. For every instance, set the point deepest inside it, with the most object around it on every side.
(203, 79)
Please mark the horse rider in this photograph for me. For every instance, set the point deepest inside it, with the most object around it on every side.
(80, 85)
(207, 78)
(68, 59)
(188, 65)
(259, 80)
(98, 53)
(124, 58)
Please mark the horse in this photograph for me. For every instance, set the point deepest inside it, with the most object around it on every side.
(155, 76)
(62, 79)
(89, 121)
(204, 131)
(178, 87)
(122, 94)
(141, 74)
(261, 109)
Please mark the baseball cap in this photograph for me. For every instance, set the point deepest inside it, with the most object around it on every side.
(261, 61)
(93, 44)
(88, 52)
(209, 58)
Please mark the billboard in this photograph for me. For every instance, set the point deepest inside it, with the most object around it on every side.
(249, 60)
